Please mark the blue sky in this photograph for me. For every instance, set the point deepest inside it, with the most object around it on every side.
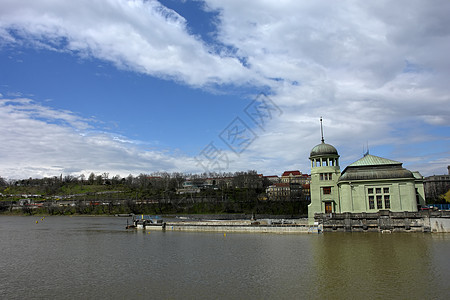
(130, 87)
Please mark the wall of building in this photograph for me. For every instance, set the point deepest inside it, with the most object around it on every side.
(436, 185)
(354, 197)
(420, 192)
(316, 189)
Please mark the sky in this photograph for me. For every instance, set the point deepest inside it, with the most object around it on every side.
(138, 87)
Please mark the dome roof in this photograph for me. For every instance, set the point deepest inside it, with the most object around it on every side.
(323, 149)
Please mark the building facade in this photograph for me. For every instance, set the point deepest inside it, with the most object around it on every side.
(295, 177)
(374, 183)
(370, 184)
(273, 178)
(279, 192)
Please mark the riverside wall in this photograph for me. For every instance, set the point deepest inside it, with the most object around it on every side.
(237, 228)
(382, 221)
(386, 221)
(260, 226)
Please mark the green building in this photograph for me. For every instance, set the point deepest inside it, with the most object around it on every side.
(325, 173)
(369, 185)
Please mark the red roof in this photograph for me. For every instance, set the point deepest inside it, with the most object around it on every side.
(295, 173)
(281, 184)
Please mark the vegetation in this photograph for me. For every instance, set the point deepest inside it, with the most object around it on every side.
(157, 193)
(445, 198)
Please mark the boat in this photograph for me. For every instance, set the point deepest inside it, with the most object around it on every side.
(146, 222)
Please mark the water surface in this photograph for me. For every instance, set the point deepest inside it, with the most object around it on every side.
(95, 257)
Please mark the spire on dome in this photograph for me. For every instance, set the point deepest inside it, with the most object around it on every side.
(323, 149)
(321, 130)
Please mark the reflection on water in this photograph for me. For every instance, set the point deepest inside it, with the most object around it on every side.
(375, 265)
(79, 257)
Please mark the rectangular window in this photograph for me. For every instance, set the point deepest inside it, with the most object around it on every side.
(327, 190)
(378, 190)
(370, 191)
(371, 203)
(379, 202)
(321, 176)
(386, 190)
(387, 202)
(330, 176)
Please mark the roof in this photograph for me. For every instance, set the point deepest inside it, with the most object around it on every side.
(295, 173)
(417, 175)
(375, 173)
(323, 149)
(372, 167)
(372, 160)
(281, 184)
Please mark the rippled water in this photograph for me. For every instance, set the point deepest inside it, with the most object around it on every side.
(95, 257)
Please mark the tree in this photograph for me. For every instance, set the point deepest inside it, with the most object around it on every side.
(91, 178)
(116, 180)
(98, 179)
(445, 197)
(3, 182)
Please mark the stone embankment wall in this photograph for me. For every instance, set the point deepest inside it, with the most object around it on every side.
(236, 228)
(423, 221)
(257, 226)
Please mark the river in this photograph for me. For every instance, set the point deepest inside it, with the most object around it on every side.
(97, 258)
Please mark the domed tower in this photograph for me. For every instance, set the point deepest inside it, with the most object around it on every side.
(325, 173)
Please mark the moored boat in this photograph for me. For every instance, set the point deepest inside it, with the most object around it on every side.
(146, 222)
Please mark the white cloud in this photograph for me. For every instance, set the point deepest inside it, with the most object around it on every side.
(40, 141)
(367, 67)
(142, 36)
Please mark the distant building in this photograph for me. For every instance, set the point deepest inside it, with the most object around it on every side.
(273, 178)
(190, 187)
(436, 185)
(289, 187)
(370, 184)
(295, 177)
(278, 192)
(306, 190)
(220, 182)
